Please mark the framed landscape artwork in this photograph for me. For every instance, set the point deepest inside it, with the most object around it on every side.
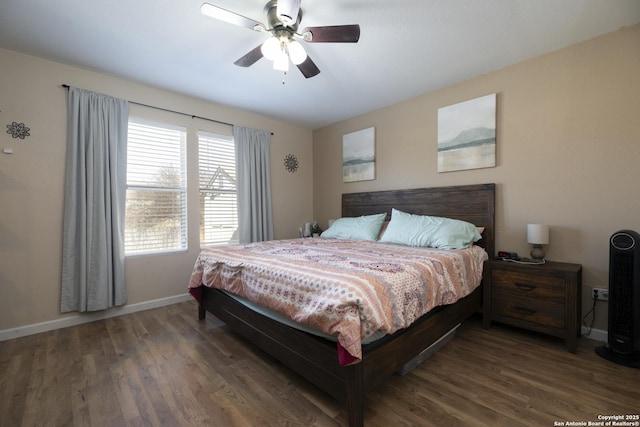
(359, 155)
(467, 135)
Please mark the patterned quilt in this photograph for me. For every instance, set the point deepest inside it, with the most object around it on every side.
(345, 288)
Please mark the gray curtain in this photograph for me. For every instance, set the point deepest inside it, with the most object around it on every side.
(94, 203)
(255, 222)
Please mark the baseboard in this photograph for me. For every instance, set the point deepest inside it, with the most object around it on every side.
(79, 319)
(595, 334)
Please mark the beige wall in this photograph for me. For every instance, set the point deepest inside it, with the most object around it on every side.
(32, 181)
(568, 151)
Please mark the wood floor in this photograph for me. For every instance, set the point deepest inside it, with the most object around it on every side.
(163, 367)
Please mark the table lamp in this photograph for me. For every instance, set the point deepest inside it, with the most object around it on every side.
(537, 235)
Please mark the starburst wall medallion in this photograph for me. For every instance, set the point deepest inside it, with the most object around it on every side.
(291, 163)
(18, 130)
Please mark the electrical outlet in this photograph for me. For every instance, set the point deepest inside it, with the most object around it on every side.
(601, 294)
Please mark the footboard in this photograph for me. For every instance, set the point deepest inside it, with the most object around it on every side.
(297, 350)
(316, 359)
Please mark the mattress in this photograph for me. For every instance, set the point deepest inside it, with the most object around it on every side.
(273, 315)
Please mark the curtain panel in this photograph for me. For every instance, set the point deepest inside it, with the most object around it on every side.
(94, 203)
(255, 222)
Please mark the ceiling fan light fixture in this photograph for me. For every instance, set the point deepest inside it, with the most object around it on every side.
(296, 52)
(271, 48)
(281, 63)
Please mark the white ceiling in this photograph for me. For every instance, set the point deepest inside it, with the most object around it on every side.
(406, 47)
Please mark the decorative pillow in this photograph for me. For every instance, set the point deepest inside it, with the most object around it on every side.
(430, 231)
(366, 227)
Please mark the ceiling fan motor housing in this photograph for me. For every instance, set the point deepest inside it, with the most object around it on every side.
(274, 21)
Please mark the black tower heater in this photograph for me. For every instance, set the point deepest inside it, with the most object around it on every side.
(623, 346)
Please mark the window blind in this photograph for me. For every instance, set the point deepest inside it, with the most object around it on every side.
(218, 197)
(156, 210)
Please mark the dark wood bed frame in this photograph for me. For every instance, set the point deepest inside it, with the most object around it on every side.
(315, 358)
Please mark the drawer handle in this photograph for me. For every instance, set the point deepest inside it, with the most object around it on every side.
(524, 310)
(525, 287)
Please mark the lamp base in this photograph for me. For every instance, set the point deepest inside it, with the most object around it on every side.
(537, 253)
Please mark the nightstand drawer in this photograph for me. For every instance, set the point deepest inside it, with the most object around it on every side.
(547, 287)
(532, 310)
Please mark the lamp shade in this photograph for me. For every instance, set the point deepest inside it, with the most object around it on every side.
(296, 52)
(538, 234)
(271, 48)
(281, 62)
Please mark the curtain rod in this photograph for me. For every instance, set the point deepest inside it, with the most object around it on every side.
(66, 86)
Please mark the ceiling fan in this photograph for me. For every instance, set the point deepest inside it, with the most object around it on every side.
(283, 19)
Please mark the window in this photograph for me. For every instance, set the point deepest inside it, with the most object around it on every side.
(218, 197)
(156, 213)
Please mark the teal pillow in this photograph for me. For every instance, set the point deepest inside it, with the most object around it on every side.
(366, 227)
(430, 231)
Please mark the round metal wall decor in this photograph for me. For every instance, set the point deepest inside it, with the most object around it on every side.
(291, 163)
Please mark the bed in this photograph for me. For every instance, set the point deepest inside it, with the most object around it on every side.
(314, 357)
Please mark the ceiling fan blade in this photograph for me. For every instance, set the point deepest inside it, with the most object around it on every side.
(308, 68)
(287, 11)
(230, 17)
(332, 34)
(250, 58)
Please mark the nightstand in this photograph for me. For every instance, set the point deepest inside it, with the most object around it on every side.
(544, 298)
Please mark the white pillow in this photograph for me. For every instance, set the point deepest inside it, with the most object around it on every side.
(366, 227)
(429, 231)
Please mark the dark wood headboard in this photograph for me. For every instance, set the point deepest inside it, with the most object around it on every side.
(471, 203)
